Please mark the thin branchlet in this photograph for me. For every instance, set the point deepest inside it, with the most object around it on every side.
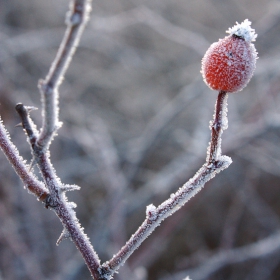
(217, 126)
(215, 163)
(9, 149)
(76, 20)
(56, 200)
(27, 123)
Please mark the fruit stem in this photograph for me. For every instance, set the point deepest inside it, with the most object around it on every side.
(217, 126)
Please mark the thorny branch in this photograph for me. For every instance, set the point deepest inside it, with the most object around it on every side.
(33, 185)
(215, 163)
(76, 20)
(54, 196)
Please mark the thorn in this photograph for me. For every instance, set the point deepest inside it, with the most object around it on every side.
(64, 235)
(32, 163)
(68, 188)
(30, 108)
(19, 125)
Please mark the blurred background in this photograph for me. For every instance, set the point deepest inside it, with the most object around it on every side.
(135, 115)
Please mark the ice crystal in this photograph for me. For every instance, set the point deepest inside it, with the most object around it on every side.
(243, 30)
(71, 204)
(67, 188)
(151, 212)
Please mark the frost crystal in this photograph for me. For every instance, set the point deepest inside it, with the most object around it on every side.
(244, 31)
(151, 212)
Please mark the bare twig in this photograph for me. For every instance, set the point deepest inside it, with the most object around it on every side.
(215, 162)
(56, 200)
(76, 20)
(33, 185)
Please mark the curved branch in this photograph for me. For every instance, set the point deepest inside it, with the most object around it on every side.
(215, 163)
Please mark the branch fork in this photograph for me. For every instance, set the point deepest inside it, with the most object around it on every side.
(215, 163)
(52, 192)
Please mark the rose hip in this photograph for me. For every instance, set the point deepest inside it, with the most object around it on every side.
(228, 64)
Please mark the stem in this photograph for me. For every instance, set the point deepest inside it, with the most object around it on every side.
(215, 163)
(218, 125)
(33, 185)
(76, 20)
(58, 202)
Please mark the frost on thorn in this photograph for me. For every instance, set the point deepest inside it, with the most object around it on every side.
(68, 188)
(64, 235)
(243, 30)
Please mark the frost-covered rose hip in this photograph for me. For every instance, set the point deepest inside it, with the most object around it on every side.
(228, 64)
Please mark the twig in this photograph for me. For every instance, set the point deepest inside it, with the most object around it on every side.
(215, 162)
(33, 185)
(57, 201)
(76, 21)
(219, 124)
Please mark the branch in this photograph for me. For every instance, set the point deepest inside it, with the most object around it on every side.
(57, 200)
(33, 185)
(215, 162)
(76, 20)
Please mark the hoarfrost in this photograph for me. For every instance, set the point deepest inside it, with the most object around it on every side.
(151, 212)
(224, 121)
(67, 188)
(18, 163)
(72, 205)
(108, 273)
(64, 235)
(226, 160)
(244, 31)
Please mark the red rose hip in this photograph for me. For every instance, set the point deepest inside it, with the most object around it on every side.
(228, 64)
